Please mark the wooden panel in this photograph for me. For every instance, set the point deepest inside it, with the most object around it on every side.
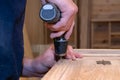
(100, 35)
(33, 22)
(105, 34)
(102, 64)
(84, 21)
(27, 46)
(106, 9)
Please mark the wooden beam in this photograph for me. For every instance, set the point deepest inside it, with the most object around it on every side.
(84, 21)
(27, 45)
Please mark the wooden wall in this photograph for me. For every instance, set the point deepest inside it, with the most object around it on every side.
(105, 24)
(34, 25)
(98, 11)
(105, 10)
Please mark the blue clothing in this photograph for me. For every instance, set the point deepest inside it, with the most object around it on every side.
(11, 38)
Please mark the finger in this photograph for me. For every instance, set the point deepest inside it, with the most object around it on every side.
(78, 55)
(70, 53)
(57, 34)
(64, 24)
(69, 23)
(68, 57)
(49, 26)
(52, 47)
(67, 14)
(69, 32)
(61, 25)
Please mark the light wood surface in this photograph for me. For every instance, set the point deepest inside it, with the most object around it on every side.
(87, 67)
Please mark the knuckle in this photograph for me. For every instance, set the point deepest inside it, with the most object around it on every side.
(74, 10)
(61, 27)
(55, 28)
(63, 23)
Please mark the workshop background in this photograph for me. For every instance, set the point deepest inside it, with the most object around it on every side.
(97, 27)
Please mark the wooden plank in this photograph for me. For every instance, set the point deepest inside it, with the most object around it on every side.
(34, 24)
(88, 68)
(100, 34)
(99, 52)
(106, 2)
(27, 45)
(105, 9)
(84, 16)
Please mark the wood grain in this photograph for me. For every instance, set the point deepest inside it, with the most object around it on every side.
(105, 10)
(87, 68)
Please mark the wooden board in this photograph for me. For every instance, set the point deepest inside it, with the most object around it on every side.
(100, 64)
(27, 46)
(84, 21)
(105, 10)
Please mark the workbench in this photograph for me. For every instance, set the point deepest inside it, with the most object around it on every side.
(96, 64)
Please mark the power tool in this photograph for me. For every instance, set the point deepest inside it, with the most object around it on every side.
(50, 13)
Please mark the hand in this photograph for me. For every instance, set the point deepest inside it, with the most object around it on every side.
(66, 23)
(40, 65)
(70, 54)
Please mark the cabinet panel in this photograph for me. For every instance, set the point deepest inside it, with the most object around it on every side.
(115, 41)
(100, 35)
(115, 27)
(105, 9)
(106, 34)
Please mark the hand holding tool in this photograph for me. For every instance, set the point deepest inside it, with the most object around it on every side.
(50, 13)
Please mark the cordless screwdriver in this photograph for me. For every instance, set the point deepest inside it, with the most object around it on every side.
(50, 13)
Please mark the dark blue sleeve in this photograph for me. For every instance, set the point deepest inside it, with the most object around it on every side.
(11, 38)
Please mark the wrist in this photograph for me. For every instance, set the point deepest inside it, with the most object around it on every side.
(33, 68)
(27, 67)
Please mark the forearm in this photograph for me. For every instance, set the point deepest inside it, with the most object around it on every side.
(29, 68)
